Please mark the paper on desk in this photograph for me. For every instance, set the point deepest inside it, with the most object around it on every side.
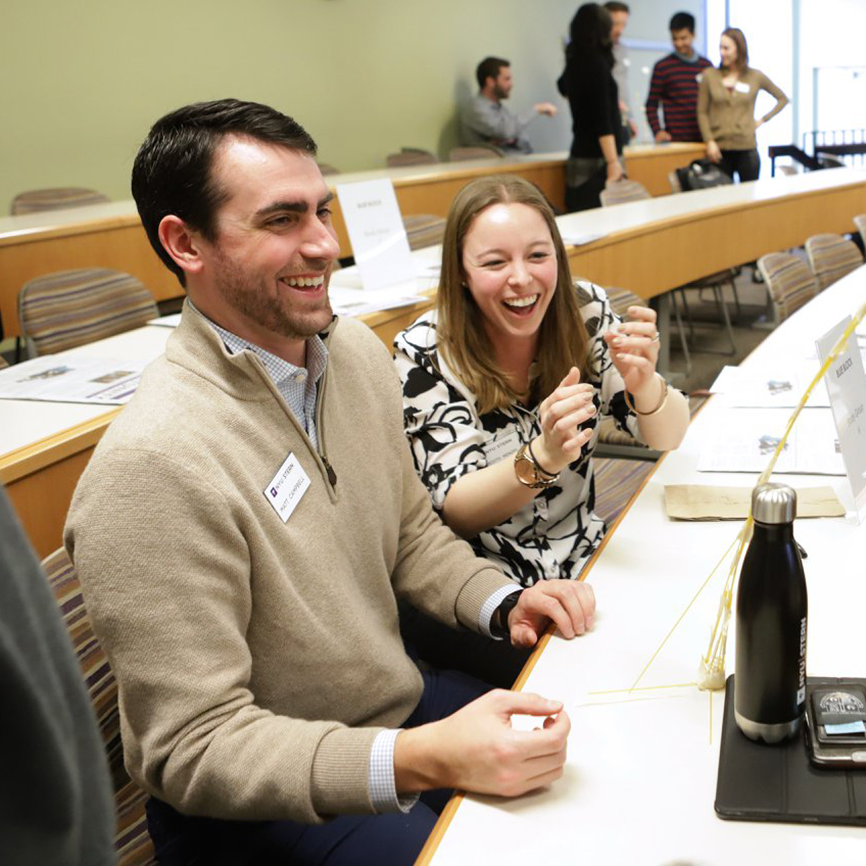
(72, 380)
(703, 502)
(743, 440)
(783, 387)
(578, 239)
(170, 321)
(356, 302)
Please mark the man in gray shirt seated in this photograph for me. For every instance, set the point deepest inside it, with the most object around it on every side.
(484, 120)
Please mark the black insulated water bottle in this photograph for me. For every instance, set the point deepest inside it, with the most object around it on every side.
(770, 681)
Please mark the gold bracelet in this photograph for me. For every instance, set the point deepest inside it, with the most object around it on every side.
(662, 400)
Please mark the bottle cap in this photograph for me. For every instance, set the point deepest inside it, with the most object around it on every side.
(774, 503)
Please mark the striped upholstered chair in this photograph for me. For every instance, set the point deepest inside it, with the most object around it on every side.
(789, 282)
(831, 257)
(132, 842)
(477, 151)
(60, 198)
(424, 230)
(70, 308)
(410, 156)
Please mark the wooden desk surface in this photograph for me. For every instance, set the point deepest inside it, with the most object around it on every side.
(658, 244)
(639, 783)
(111, 236)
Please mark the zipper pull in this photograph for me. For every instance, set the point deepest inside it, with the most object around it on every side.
(332, 476)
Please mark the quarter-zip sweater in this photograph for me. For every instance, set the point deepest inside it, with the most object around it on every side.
(257, 660)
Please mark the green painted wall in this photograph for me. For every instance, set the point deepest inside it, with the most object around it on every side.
(83, 81)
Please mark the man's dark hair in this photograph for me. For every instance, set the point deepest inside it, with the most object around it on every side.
(172, 171)
(682, 21)
(614, 6)
(489, 68)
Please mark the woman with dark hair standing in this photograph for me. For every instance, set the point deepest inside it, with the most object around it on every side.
(503, 386)
(596, 122)
(726, 108)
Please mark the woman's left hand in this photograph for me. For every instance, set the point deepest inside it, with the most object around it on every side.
(634, 349)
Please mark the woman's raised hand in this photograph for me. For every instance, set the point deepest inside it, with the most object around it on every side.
(561, 414)
(634, 349)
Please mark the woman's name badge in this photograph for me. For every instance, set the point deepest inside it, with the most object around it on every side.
(287, 488)
(501, 447)
(742, 87)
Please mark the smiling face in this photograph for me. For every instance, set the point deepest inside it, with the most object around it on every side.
(683, 41)
(265, 275)
(728, 50)
(509, 265)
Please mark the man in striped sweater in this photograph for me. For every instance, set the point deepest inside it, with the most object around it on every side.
(675, 84)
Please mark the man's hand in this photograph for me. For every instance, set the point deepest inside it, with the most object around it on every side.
(632, 127)
(662, 136)
(477, 750)
(569, 604)
(547, 108)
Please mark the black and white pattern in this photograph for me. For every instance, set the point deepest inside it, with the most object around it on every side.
(553, 535)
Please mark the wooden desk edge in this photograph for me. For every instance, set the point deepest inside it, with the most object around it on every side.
(450, 810)
(28, 459)
(710, 212)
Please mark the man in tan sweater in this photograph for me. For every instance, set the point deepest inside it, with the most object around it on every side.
(246, 524)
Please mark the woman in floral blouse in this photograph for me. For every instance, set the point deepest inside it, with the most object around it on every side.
(504, 384)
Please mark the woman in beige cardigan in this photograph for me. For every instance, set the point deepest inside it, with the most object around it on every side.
(726, 108)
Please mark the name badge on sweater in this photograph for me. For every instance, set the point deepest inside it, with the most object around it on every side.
(742, 87)
(287, 488)
(501, 447)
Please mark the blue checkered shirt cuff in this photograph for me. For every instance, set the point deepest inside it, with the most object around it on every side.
(383, 790)
(489, 608)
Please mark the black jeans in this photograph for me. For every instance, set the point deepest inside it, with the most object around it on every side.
(745, 163)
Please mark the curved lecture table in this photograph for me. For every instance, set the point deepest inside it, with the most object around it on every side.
(111, 236)
(639, 783)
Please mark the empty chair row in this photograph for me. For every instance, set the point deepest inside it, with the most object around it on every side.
(791, 282)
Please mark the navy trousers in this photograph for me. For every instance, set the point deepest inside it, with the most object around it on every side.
(348, 840)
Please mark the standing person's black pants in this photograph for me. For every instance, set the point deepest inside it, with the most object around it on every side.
(745, 163)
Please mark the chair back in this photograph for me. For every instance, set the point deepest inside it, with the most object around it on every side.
(3, 362)
(70, 308)
(860, 222)
(621, 299)
(132, 842)
(424, 230)
(622, 191)
(789, 282)
(327, 169)
(460, 154)
(38, 200)
(831, 257)
(410, 156)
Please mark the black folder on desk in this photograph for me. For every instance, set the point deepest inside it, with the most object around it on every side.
(758, 782)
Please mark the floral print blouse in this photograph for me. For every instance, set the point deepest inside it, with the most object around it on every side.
(554, 534)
